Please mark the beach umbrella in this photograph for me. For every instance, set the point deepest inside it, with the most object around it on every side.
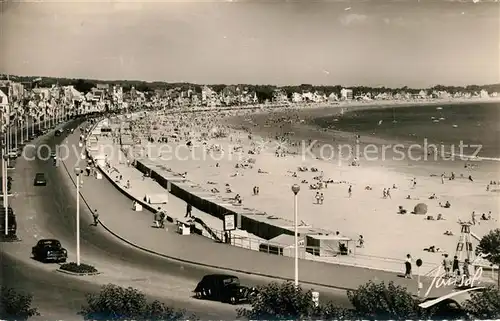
(420, 208)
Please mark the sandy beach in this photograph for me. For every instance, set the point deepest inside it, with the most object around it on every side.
(232, 157)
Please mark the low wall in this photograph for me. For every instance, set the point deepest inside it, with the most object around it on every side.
(210, 205)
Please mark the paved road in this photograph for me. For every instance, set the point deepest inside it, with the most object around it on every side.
(47, 212)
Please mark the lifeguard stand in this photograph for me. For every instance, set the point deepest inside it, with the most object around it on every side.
(464, 243)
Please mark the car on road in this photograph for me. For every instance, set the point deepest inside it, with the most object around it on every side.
(222, 287)
(58, 132)
(49, 250)
(14, 153)
(12, 223)
(40, 179)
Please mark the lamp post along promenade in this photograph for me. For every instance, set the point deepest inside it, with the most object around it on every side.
(295, 190)
(78, 172)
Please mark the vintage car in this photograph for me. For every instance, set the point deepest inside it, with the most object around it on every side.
(223, 288)
(11, 220)
(49, 250)
(40, 179)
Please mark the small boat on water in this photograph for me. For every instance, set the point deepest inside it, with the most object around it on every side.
(436, 121)
(439, 108)
(442, 118)
(455, 126)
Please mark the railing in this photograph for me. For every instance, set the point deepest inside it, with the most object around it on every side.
(209, 230)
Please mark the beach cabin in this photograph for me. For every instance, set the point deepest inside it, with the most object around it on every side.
(329, 245)
(281, 245)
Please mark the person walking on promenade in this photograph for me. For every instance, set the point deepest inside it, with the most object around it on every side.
(163, 218)
(466, 270)
(95, 215)
(189, 209)
(446, 266)
(157, 217)
(349, 191)
(408, 274)
(455, 266)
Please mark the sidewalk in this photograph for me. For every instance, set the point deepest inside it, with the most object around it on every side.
(136, 228)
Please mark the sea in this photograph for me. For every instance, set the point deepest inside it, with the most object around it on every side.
(446, 126)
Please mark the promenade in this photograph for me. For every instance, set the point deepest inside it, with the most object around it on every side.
(137, 228)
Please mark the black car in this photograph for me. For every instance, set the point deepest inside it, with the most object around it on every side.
(58, 132)
(49, 250)
(12, 223)
(222, 287)
(40, 179)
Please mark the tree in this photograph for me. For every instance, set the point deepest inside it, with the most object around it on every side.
(118, 303)
(381, 301)
(15, 305)
(284, 301)
(484, 305)
(490, 246)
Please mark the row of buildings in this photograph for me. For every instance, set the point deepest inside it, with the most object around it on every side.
(20, 101)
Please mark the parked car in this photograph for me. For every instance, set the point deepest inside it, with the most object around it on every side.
(223, 288)
(12, 223)
(49, 250)
(40, 179)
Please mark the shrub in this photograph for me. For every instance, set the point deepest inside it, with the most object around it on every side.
(484, 305)
(15, 306)
(118, 303)
(284, 301)
(8, 238)
(82, 268)
(381, 301)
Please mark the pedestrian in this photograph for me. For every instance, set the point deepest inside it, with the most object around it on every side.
(473, 217)
(361, 241)
(466, 270)
(349, 191)
(157, 217)
(446, 266)
(384, 194)
(455, 266)
(388, 193)
(442, 178)
(95, 215)
(408, 274)
(321, 198)
(189, 209)
(163, 217)
(317, 197)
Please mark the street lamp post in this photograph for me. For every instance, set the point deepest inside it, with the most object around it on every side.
(20, 121)
(295, 190)
(5, 185)
(78, 171)
(27, 128)
(8, 145)
(15, 132)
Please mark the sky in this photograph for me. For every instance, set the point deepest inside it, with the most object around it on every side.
(390, 43)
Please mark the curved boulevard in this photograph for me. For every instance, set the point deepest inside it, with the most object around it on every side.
(49, 212)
